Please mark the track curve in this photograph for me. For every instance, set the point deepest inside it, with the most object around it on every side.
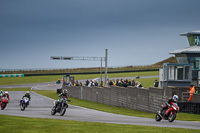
(40, 107)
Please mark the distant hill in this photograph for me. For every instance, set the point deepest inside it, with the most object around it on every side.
(171, 59)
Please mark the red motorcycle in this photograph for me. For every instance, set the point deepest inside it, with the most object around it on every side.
(170, 113)
(4, 102)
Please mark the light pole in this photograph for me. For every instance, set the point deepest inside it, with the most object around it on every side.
(106, 61)
(87, 59)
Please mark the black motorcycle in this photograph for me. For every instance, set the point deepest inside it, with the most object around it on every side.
(60, 106)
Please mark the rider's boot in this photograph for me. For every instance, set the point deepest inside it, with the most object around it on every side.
(20, 103)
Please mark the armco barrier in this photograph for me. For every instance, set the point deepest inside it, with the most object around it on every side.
(142, 99)
(11, 75)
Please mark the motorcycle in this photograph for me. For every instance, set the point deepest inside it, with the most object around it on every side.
(170, 113)
(24, 103)
(60, 107)
(4, 102)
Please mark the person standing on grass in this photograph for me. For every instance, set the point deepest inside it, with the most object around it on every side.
(155, 83)
(191, 92)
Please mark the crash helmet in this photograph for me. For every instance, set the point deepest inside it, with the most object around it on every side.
(6, 93)
(65, 91)
(1, 91)
(175, 98)
(27, 92)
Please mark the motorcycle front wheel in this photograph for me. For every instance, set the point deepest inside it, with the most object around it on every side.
(158, 118)
(3, 105)
(23, 106)
(62, 111)
(172, 117)
(53, 111)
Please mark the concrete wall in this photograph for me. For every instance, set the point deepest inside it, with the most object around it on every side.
(142, 99)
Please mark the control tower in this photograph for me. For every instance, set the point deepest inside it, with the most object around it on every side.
(190, 55)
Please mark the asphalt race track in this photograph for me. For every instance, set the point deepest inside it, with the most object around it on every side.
(40, 107)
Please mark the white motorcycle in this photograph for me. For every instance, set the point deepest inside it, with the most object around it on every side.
(24, 103)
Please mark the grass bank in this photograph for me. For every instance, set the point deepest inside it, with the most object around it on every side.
(13, 124)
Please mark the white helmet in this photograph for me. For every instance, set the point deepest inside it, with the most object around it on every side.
(65, 91)
(175, 97)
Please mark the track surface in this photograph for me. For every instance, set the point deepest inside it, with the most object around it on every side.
(40, 107)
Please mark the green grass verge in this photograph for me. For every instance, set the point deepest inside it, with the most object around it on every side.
(16, 124)
(116, 110)
(54, 78)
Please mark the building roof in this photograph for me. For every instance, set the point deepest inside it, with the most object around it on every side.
(193, 49)
(197, 32)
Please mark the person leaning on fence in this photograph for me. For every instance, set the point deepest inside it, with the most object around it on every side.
(138, 84)
(191, 92)
(133, 82)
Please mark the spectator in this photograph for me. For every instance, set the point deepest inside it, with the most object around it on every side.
(76, 83)
(117, 82)
(155, 83)
(70, 84)
(138, 84)
(133, 82)
(86, 82)
(110, 82)
(114, 83)
(107, 82)
(80, 84)
(120, 83)
(95, 83)
(90, 83)
(129, 82)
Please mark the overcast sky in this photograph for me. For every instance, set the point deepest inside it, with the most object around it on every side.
(135, 32)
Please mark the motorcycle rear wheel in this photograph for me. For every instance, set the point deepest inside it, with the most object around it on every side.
(172, 117)
(53, 111)
(158, 118)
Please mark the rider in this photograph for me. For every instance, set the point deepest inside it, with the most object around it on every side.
(168, 103)
(26, 95)
(62, 95)
(6, 95)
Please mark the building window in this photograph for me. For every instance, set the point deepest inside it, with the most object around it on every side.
(171, 73)
(197, 40)
(195, 62)
(179, 73)
(187, 72)
(191, 40)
